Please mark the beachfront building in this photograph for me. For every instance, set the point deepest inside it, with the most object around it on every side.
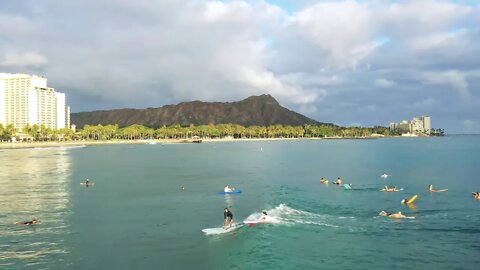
(420, 125)
(26, 100)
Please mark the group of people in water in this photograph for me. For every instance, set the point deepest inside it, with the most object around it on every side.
(399, 214)
(338, 182)
(35, 221)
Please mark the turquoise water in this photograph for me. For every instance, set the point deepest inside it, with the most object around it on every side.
(137, 217)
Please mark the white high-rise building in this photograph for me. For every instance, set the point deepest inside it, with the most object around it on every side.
(26, 99)
(420, 125)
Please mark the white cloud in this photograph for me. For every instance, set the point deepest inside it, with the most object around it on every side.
(384, 83)
(468, 123)
(220, 11)
(342, 31)
(24, 59)
(426, 104)
(313, 59)
(451, 78)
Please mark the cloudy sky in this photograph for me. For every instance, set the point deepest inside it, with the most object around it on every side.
(348, 62)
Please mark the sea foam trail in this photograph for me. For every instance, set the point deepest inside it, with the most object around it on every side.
(282, 214)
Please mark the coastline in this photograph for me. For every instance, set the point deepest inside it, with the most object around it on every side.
(26, 145)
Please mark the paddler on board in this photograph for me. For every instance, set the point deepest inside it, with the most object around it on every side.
(228, 189)
(430, 189)
(393, 215)
(227, 218)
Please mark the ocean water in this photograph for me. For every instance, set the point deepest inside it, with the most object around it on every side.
(136, 216)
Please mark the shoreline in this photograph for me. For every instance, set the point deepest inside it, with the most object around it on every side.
(26, 145)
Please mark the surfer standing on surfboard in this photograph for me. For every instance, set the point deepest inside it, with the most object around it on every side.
(227, 218)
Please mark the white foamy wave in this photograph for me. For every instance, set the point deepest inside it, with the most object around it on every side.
(282, 214)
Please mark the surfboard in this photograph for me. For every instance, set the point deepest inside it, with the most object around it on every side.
(236, 191)
(412, 199)
(85, 184)
(221, 230)
(252, 223)
(392, 190)
(347, 186)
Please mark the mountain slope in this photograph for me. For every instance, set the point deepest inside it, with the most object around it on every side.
(261, 110)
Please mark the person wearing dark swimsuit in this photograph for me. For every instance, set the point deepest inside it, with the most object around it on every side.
(31, 222)
(227, 218)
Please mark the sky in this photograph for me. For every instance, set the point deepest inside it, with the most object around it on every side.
(353, 63)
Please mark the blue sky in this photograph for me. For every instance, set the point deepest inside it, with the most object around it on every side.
(347, 62)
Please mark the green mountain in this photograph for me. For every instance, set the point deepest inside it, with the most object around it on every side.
(261, 110)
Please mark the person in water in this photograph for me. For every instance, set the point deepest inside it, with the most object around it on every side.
(323, 181)
(430, 189)
(476, 195)
(263, 217)
(31, 222)
(227, 218)
(394, 215)
(339, 181)
(390, 189)
(228, 189)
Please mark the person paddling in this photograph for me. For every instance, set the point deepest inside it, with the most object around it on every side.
(31, 222)
(227, 218)
(430, 189)
(393, 215)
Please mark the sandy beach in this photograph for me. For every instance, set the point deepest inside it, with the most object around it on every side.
(20, 145)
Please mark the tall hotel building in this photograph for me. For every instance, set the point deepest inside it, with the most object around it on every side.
(26, 99)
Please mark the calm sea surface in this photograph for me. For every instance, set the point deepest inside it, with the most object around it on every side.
(137, 217)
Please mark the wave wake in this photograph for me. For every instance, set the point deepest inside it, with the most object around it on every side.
(283, 214)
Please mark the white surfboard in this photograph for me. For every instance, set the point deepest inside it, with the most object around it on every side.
(251, 223)
(85, 184)
(221, 230)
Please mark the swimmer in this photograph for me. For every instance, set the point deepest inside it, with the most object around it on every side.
(476, 195)
(31, 222)
(227, 218)
(339, 181)
(389, 189)
(323, 181)
(394, 215)
(384, 176)
(430, 189)
(182, 188)
(228, 189)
